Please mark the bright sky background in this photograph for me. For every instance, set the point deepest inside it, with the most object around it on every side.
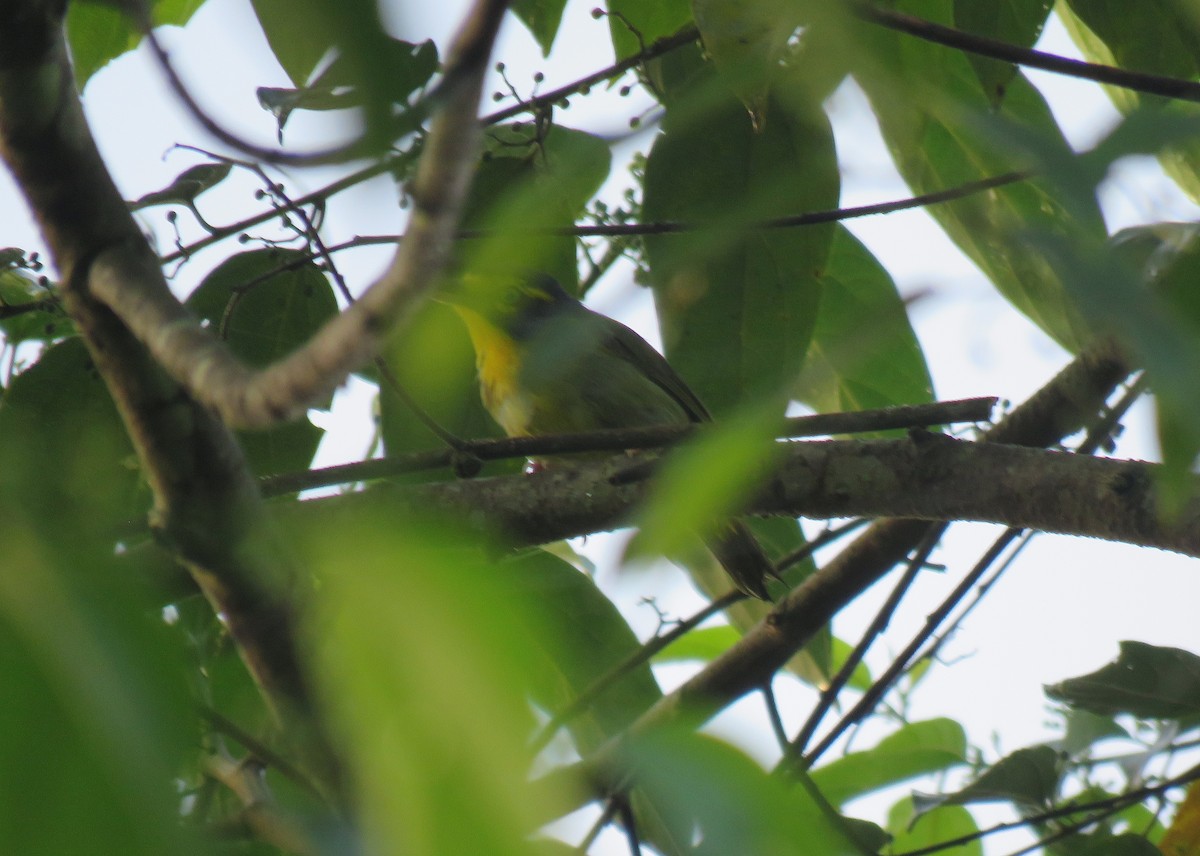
(1059, 611)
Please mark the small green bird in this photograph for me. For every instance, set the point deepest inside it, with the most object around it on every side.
(549, 365)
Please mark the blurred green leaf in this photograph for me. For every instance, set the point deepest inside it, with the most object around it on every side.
(187, 186)
(1027, 778)
(1146, 681)
(1165, 41)
(1014, 22)
(47, 323)
(581, 636)
(335, 88)
(946, 823)
(864, 353)
(860, 678)
(730, 802)
(703, 644)
(423, 665)
(914, 750)
(98, 33)
(1106, 844)
(63, 447)
(705, 480)
(531, 179)
(1085, 729)
(96, 720)
(922, 95)
(738, 306)
(295, 36)
(304, 33)
(745, 39)
(265, 304)
(636, 24)
(542, 17)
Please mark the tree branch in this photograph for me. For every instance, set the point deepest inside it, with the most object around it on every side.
(1067, 403)
(923, 477)
(132, 286)
(206, 504)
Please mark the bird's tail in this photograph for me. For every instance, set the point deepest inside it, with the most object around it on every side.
(743, 558)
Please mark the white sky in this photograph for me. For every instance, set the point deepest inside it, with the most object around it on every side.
(1059, 612)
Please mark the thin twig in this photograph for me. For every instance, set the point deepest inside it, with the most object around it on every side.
(1151, 84)
(622, 439)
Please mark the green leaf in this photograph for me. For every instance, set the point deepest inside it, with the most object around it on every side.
(1164, 42)
(738, 306)
(1166, 39)
(187, 186)
(916, 749)
(45, 324)
(864, 353)
(734, 806)
(1085, 729)
(1145, 680)
(532, 179)
(336, 88)
(705, 480)
(860, 678)
(295, 35)
(542, 17)
(64, 449)
(423, 665)
(923, 95)
(1105, 844)
(96, 721)
(745, 39)
(303, 33)
(265, 304)
(1014, 22)
(1028, 778)
(98, 33)
(703, 644)
(581, 636)
(636, 24)
(947, 823)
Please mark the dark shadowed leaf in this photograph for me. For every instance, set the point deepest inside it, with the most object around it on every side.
(1014, 22)
(187, 186)
(636, 24)
(733, 804)
(1028, 778)
(64, 448)
(1145, 680)
(265, 304)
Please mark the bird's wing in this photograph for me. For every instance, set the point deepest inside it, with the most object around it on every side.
(624, 344)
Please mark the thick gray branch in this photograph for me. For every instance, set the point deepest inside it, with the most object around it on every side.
(922, 477)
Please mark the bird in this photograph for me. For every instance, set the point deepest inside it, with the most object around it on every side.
(547, 364)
